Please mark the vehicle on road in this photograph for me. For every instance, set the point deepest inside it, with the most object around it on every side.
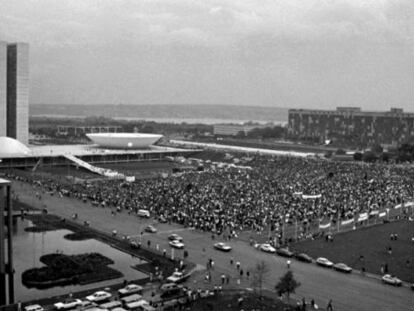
(34, 308)
(175, 237)
(178, 277)
(177, 244)
(67, 304)
(135, 244)
(99, 296)
(284, 252)
(222, 247)
(321, 261)
(267, 248)
(137, 305)
(130, 289)
(150, 229)
(391, 280)
(143, 213)
(111, 305)
(131, 298)
(341, 267)
(303, 257)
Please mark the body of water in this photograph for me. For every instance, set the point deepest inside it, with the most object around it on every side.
(28, 247)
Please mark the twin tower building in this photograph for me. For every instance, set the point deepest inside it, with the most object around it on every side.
(14, 91)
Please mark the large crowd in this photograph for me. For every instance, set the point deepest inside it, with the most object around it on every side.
(273, 192)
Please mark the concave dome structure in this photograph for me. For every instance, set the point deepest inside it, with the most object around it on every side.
(124, 140)
(10, 147)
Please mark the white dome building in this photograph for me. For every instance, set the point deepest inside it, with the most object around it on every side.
(10, 147)
(124, 140)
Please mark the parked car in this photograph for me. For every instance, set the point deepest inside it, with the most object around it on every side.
(143, 213)
(284, 252)
(391, 280)
(130, 289)
(342, 267)
(134, 244)
(99, 296)
(303, 257)
(222, 247)
(178, 277)
(175, 237)
(34, 308)
(150, 229)
(177, 244)
(321, 261)
(267, 248)
(68, 304)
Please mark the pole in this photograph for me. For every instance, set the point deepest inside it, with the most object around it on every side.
(10, 246)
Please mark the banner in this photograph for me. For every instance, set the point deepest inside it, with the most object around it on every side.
(324, 226)
(346, 222)
(408, 204)
(316, 196)
(363, 216)
(374, 212)
(382, 214)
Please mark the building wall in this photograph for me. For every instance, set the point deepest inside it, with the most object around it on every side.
(3, 88)
(18, 91)
(352, 126)
(234, 129)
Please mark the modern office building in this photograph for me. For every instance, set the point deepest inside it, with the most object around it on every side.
(352, 125)
(3, 88)
(18, 92)
(14, 91)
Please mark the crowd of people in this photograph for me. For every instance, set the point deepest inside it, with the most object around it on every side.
(275, 191)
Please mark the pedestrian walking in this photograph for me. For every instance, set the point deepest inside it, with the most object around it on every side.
(329, 307)
(238, 265)
(288, 263)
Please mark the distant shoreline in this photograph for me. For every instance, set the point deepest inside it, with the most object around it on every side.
(208, 121)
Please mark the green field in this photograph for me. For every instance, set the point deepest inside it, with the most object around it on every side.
(372, 243)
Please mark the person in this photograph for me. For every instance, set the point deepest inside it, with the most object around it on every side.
(288, 263)
(329, 307)
(238, 265)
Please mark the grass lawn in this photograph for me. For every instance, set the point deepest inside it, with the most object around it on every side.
(372, 243)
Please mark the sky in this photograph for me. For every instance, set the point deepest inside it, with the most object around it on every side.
(290, 53)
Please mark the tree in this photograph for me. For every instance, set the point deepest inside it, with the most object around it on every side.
(259, 275)
(287, 284)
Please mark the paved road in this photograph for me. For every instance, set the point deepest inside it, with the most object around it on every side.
(348, 292)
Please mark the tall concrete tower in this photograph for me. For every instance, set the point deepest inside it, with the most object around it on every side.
(3, 88)
(18, 91)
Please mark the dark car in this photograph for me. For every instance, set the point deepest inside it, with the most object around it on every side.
(303, 257)
(284, 252)
(341, 267)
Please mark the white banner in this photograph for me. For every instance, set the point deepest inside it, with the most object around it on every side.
(363, 216)
(374, 212)
(308, 196)
(408, 204)
(324, 226)
(346, 222)
(382, 214)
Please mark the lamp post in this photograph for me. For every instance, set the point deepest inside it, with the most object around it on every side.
(6, 267)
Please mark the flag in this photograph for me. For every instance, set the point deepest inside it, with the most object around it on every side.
(346, 222)
(382, 214)
(363, 216)
(324, 226)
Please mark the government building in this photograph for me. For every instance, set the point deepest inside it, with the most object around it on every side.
(353, 126)
(14, 91)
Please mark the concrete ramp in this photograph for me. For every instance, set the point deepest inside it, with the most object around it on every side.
(97, 170)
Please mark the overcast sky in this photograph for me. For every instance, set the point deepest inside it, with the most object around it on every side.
(282, 53)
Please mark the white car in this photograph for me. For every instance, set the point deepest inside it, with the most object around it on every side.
(34, 308)
(267, 248)
(130, 289)
(391, 280)
(99, 296)
(178, 277)
(177, 244)
(222, 247)
(324, 262)
(68, 304)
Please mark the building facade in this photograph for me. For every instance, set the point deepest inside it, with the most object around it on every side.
(18, 92)
(353, 126)
(3, 88)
